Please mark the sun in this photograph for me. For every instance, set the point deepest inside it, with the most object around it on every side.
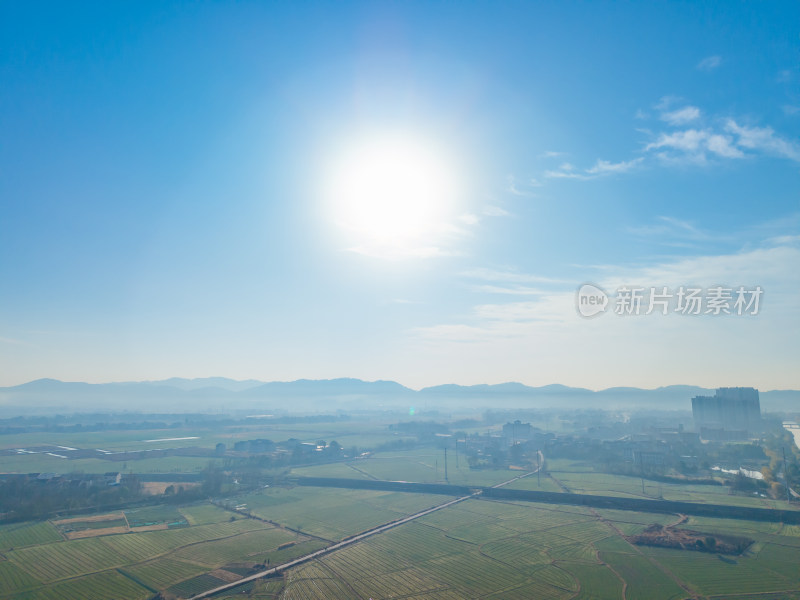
(392, 191)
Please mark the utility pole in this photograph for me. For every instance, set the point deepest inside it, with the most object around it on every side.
(785, 475)
(457, 467)
(445, 465)
(641, 471)
(538, 467)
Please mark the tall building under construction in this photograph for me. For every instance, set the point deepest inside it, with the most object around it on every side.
(730, 414)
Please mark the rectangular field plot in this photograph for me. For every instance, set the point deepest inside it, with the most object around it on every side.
(645, 580)
(715, 574)
(163, 573)
(19, 535)
(752, 529)
(333, 513)
(597, 582)
(66, 559)
(537, 589)
(517, 552)
(400, 503)
(195, 585)
(401, 469)
(343, 470)
(428, 466)
(149, 516)
(102, 586)
(136, 547)
(395, 584)
(14, 579)
(205, 514)
(582, 480)
(246, 546)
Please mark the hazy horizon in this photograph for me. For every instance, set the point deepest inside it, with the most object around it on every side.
(256, 382)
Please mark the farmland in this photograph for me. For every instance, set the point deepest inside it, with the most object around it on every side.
(40, 563)
(262, 517)
(492, 549)
(478, 548)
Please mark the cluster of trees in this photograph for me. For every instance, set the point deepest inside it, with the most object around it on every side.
(23, 498)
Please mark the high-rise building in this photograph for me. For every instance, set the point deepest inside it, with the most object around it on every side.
(731, 413)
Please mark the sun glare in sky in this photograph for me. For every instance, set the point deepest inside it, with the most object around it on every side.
(393, 193)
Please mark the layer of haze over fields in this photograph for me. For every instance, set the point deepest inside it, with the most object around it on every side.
(224, 513)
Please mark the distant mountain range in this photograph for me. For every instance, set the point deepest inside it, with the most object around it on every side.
(219, 394)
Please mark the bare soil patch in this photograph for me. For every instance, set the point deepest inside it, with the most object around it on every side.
(686, 539)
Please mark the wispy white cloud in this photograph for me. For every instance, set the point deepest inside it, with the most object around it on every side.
(674, 232)
(665, 102)
(522, 188)
(564, 175)
(681, 116)
(600, 168)
(693, 145)
(709, 63)
(690, 140)
(763, 139)
(715, 141)
(770, 266)
(604, 166)
(722, 145)
(665, 225)
(491, 210)
(565, 171)
(506, 276)
(552, 154)
(511, 290)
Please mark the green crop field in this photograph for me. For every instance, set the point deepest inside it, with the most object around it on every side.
(163, 572)
(596, 581)
(14, 579)
(19, 535)
(42, 565)
(155, 515)
(476, 548)
(516, 550)
(333, 513)
(254, 546)
(101, 586)
(205, 514)
(425, 465)
(580, 479)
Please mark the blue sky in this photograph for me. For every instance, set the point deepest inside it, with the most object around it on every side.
(169, 203)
